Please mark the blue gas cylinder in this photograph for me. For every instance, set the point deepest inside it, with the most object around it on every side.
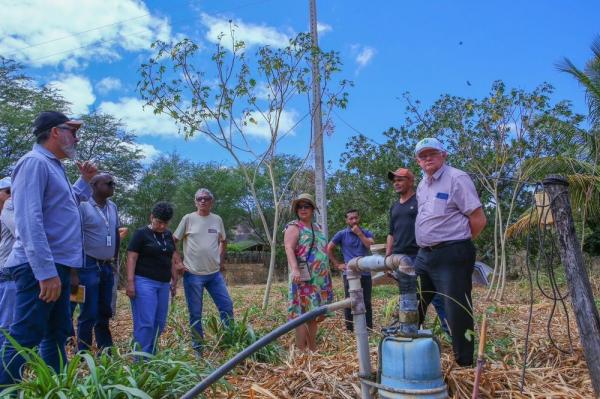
(410, 368)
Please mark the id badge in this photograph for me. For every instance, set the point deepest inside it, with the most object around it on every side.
(108, 241)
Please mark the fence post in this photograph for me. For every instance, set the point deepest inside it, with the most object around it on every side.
(582, 298)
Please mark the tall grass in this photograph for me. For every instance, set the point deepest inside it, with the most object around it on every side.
(237, 335)
(117, 374)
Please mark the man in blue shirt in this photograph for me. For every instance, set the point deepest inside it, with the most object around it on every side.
(353, 241)
(101, 245)
(49, 242)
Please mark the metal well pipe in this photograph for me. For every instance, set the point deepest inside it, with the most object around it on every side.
(360, 329)
(376, 263)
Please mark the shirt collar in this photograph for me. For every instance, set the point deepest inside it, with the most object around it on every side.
(43, 150)
(437, 174)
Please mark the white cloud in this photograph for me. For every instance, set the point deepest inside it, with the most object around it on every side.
(39, 33)
(108, 84)
(261, 128)
(250, 34)
(323, 28)
(365, 56)
(149, 152)
(142, 120)
(77, 90)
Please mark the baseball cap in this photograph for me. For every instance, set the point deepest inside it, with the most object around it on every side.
(401, 172)
(5, 183)
(48, 119)
(429, 142)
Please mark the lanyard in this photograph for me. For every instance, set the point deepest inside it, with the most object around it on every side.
(164, 246)
(104, 216)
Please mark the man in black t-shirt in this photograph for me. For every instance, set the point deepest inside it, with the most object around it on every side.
(401, 236)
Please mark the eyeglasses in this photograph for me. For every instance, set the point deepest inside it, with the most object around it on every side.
(431, 154)
(203, 199)
(305, 206)
(70, 129)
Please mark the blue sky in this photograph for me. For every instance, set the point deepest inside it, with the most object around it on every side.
(92, 50)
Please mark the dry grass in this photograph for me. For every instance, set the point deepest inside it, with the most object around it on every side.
(332, 372)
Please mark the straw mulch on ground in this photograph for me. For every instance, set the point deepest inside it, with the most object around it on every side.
(333, 371)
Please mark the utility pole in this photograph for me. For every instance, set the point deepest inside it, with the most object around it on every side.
(582, 297)
(317, 128)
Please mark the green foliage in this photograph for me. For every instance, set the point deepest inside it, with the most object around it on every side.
(20, 102)
(237, 336)
(362, 180)
(116, 375)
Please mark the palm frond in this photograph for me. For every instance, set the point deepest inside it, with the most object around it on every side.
(528, 221)
(584, 192)
(538, 168)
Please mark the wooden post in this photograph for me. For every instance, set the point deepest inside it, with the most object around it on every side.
(580, 289)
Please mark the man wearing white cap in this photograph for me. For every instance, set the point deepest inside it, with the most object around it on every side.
(450, 216)
(49, 242)
(7, 239)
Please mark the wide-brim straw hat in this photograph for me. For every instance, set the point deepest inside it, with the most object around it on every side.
(306, 198)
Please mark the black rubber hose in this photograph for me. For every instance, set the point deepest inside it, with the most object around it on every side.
(265, 340)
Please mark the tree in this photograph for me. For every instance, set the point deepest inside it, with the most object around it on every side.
(589, 78)
(238, 97)
(159, 182)
(580, 166)
(492, 138)
(105, 141)
(361, 181)
(20, 102)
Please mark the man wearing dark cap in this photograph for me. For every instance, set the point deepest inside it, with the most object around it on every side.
(401, 237)
(450, 216)
(101, 244)
(49, 242)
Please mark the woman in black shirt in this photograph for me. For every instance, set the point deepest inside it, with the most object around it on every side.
(150, 272)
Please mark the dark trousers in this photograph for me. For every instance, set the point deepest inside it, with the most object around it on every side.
(96, 311)
(36, 323)
(448, 270)
(367, 286)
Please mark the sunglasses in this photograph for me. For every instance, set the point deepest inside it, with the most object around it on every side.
(203, 199)
(110, 183)
(70, 129)
(6, 190)
(305, 206)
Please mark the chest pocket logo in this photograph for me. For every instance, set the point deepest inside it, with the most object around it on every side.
(212, 231)
(439, 203)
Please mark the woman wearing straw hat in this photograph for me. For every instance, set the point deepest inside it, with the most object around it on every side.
(309, 276)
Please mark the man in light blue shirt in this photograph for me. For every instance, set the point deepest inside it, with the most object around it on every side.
(354, 241)
(101, 245)
(48, 241)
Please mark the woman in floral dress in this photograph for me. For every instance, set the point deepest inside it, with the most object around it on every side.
(309, 276)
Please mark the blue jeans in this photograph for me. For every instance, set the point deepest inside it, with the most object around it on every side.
(438, 304)
(193, 285)
(149, 308)
(36, 323)
(96, 311)
(8, 291)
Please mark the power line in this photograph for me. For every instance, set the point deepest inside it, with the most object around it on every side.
(75, 34)
(109, 40)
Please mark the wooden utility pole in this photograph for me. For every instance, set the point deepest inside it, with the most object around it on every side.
(317, 129)
(582, 298)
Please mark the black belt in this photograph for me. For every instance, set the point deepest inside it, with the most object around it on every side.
(101, 261)
(445, 244)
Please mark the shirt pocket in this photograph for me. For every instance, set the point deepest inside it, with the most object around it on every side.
(440, 202)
